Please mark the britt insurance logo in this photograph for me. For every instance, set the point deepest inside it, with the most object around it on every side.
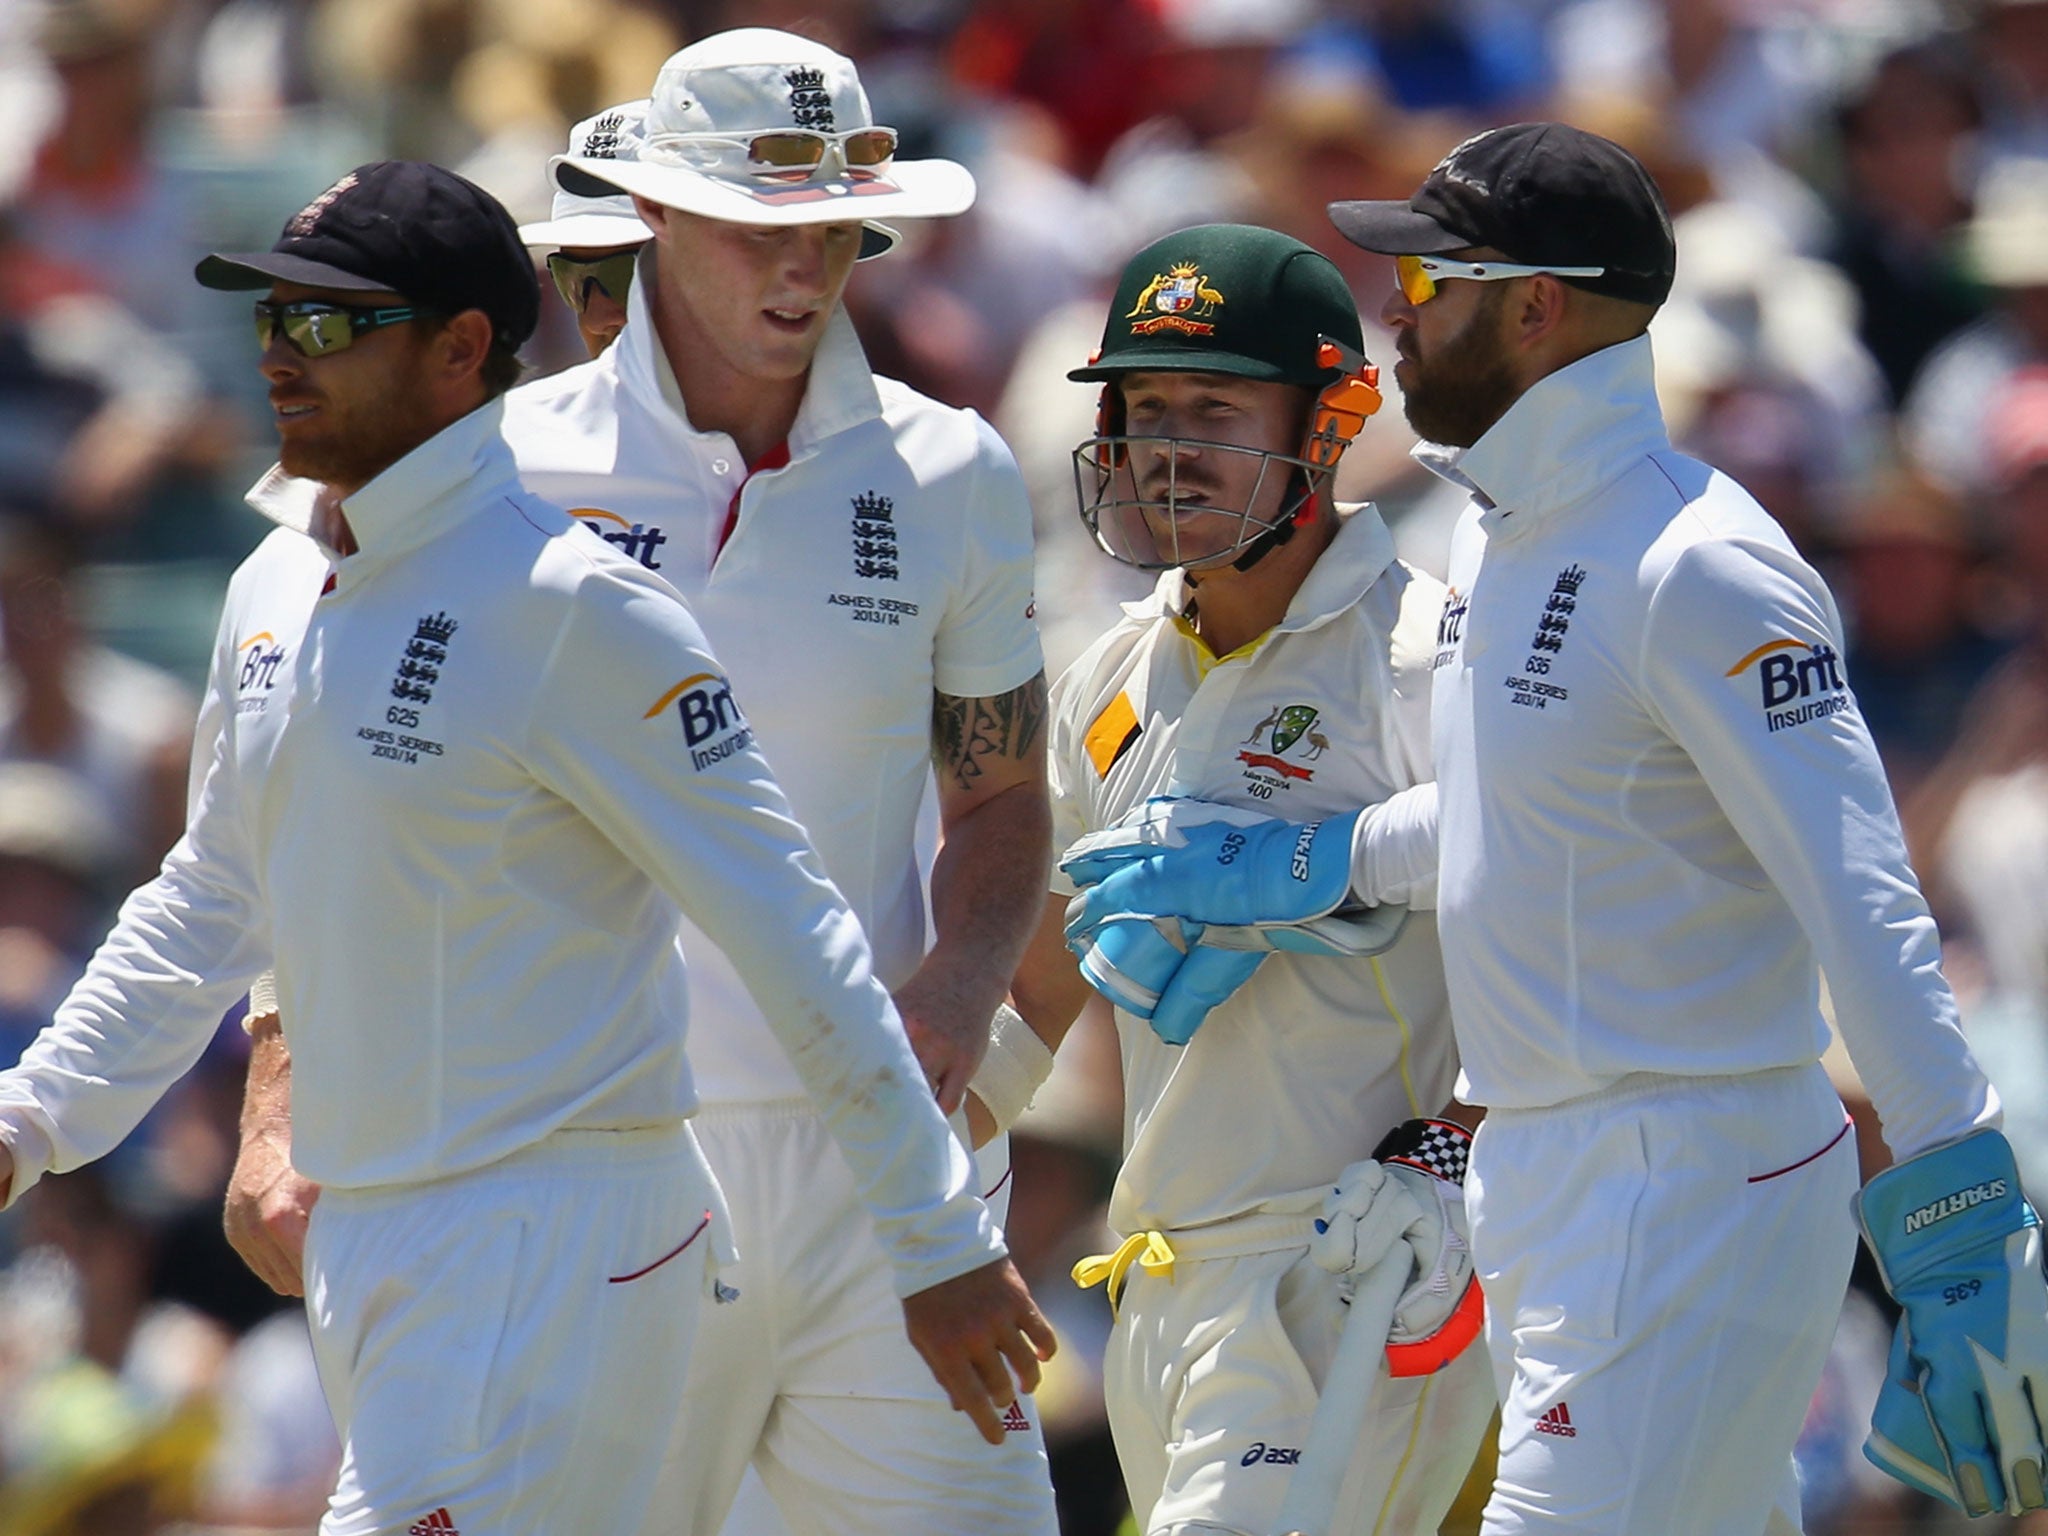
(262, 657)
(713, 727)
(1797, 682)
(637, 541)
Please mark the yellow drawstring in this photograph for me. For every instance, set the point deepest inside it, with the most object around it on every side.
(1150, 1251)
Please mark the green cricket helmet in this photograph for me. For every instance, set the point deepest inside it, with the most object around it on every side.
(1229, 299)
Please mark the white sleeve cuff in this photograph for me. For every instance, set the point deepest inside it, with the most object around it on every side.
(1394, 850)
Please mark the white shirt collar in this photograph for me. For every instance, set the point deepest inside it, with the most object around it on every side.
(1569, 433)
(448, 475)
(1355, 559)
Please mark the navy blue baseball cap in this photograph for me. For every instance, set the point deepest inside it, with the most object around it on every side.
(1543, 195)
(403, 227)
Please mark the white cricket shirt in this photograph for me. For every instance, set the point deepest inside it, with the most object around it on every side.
(463, 781)
(889, 560)
(1304, 1068)
(1660, 805)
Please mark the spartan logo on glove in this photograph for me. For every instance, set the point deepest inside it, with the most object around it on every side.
(1955, 1204)
(1304, 841)
(1798, 682)
(713, 727)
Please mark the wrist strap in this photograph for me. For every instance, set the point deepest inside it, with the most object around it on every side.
(1439, 1148)
(1424, 1357)
(262, 1004)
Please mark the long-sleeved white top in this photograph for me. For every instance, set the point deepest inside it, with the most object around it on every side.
(889, 560)
(464, 781)
(1302, 1069)
(1662, 814)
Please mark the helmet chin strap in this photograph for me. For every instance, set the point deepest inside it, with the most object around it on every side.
(1281, 531)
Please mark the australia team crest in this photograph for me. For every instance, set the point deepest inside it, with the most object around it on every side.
(1178, 299)
(1281, 747)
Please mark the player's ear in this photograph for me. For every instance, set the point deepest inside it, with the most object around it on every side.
(1109, 422)
(1541, 310)
(653, 215)
(462, 343)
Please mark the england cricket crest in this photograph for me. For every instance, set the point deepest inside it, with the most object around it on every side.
(1291, 741)
(1171, 297)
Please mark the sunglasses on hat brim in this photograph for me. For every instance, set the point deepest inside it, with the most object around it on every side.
(776, 152)
(318, 327)
(1419, 275)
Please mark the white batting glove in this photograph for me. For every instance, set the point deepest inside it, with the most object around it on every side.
(1417, 1188)
(1443, 1257)
(1364, 1217)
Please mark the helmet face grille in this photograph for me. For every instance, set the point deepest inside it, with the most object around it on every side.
(1176, 527)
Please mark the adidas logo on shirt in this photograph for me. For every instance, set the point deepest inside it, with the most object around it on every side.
(1014, 1420)
(1556, 1421)
(439, 1523)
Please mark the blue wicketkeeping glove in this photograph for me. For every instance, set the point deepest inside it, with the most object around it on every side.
(1130, 962)
(1902, 1438)
(1163, 821)
(1231, 869)
(1205, 978)
(1960, 1251)
(1157, 971)
(1351, 935)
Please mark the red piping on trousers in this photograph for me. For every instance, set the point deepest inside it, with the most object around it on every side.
(695, 1233)
(1847, 1123)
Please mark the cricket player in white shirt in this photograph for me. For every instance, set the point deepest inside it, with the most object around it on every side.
(1280, 668)
(861, 558)
(467, 864)
(1661, 817)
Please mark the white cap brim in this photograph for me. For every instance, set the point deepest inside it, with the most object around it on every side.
(905, 189)
(586, 231)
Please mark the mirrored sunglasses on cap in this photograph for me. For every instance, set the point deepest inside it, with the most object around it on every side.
(573, 276)
(1419, 275)
(775, 152)
(316, 327)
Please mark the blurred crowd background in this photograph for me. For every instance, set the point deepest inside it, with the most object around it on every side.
(1859, 333)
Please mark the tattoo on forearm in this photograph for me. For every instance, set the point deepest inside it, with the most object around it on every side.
(964, 731)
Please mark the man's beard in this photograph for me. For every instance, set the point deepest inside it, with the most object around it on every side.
(372, 437)
(1457, 395)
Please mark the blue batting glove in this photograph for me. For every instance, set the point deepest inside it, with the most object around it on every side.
(1960, 1250)
(1273, 872)
(1207, 977)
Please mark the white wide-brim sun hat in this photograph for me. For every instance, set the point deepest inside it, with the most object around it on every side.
(582, 222)
(755, 80)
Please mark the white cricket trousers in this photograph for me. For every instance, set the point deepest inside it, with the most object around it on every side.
(1664, 1264)
(1213, 1375)
(503, 1349)
(810, 1376)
